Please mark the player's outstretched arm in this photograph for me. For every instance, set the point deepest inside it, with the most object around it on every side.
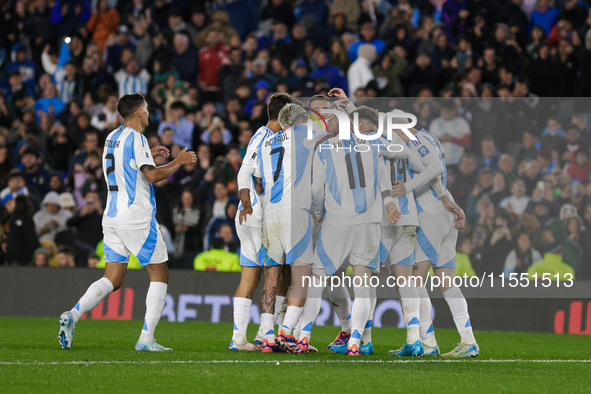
(431, 168)
(156, 174)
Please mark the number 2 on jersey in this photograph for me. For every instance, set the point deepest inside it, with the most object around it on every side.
(112, 187)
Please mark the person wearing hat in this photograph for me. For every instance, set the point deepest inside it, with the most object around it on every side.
(68, 203)
(16, 186)
(116, 43)
(51, 218)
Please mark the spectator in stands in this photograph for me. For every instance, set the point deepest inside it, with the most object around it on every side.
(210, 61)
(103, 23)
(467, 177)
(108, 119)
(40, 258)
(16, 186)
(360, 72)
(217, 259)
(50, 105)
(552, 266)
(388, 72)
(50, 219)
(116, 46)
(500, 189)
(463, 252)
(544, 16)
(453, 131)
(555, 236)
(279, 10)
(518, 201)
(521, 257)
(66, 258)
(499, 243)
(489, 155)
(580, 166)
(37, 177)
(22, 240)
(132, 79)
(186, 218)
(367, 33)
(186, 58)
(182, 127)
(333, 75)
(87, 223)
(545, 161)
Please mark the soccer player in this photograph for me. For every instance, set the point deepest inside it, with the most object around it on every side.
(252, 254)
(439, 219)
(129, 220)
(397, 249)
(284, 176)
(349, 189)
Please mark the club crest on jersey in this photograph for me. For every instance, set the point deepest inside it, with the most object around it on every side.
(423, 151)
(147, 155)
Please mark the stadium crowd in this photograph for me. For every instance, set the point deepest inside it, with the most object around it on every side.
(207, 69)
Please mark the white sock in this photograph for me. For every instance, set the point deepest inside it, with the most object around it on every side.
(241, 318)
(366, 338)
(459, 310)
(409, 298)
(278, 305)
(267, 327)
(154, 306)
(292, 316)
(96, 292)
(310, 312)
(359, 314)
(341, 302)
(426, 326)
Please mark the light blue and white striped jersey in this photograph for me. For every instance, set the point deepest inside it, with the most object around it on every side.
(399, 169)
(130, 203)
(429, 149)
(285, 166)
(250, 164)
(347, 181)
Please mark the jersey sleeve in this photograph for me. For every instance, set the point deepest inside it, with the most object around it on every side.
(143, 155)
(392, 154)
(431, 163)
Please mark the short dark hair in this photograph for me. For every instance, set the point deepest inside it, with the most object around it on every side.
(129, 103)
(366, 113)
(276, 103)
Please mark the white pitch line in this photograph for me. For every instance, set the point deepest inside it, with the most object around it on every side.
(429, 361)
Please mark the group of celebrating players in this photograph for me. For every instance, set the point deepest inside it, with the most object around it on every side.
(313, 204)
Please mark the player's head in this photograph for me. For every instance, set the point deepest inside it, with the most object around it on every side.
(367, 119)
(292, 115)
(132, 106)
(319, 101)
(276, 102)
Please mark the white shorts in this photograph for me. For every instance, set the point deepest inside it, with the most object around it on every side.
(359, 244)
(288, 233)
(398, 245)
(436, 240)
(252, 251)
(146, 244)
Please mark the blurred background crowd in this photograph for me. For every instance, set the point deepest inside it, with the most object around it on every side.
(518, 158)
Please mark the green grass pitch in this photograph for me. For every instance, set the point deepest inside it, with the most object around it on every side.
(103, 360)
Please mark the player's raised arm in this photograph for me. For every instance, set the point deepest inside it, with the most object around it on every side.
(156, 174)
